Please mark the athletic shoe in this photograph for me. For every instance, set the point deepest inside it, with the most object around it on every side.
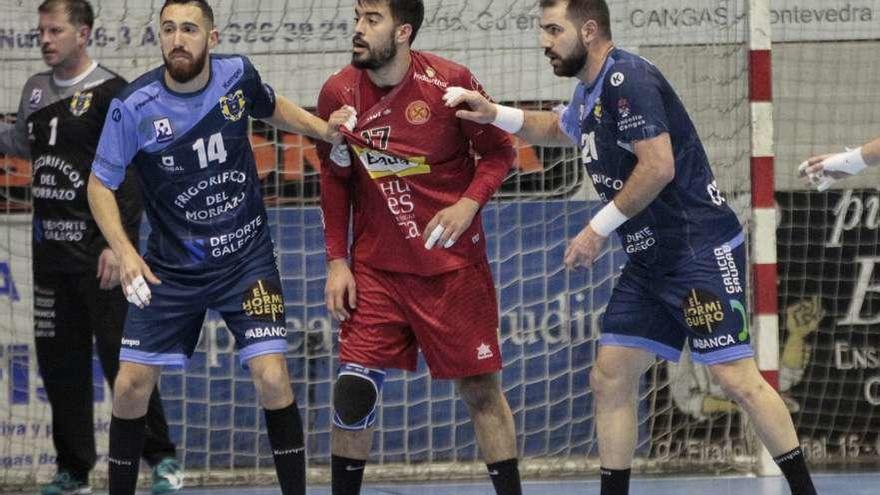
(64, 484)
(167, 476)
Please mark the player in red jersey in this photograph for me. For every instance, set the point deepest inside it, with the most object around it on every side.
(419, 277)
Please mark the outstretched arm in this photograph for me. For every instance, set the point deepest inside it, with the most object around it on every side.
(537, 127)
(823, 170)
(291, 117)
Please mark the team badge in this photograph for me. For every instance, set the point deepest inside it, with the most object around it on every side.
(417, 113)
(597, 110)
(80, 103)
(232, 105)
(36, 97)
(430, 72)
(164, 131)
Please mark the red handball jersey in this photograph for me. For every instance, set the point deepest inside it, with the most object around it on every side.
(410, 157)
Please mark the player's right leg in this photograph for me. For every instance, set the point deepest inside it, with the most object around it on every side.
(635, 329)
(107, 310)
(376, 337)
(163, 333)
(64, 353)
(131, 395)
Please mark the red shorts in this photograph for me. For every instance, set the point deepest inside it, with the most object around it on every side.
(452, 317)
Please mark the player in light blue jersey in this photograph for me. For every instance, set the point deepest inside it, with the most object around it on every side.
(685, 279)
(183, 127)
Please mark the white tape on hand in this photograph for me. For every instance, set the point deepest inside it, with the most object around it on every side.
(449, 243)
(850, 162)
(352, 121)
(339, 155)
(434, 237)
(138, 292)
(452, 94)
(818, 179)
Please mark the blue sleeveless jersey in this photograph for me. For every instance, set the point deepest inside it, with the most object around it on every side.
(632, 101)
(193, 156)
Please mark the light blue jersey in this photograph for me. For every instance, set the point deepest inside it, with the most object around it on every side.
(193, 156)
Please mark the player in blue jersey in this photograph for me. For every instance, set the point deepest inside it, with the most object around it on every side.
(183, 127)
(685, 280)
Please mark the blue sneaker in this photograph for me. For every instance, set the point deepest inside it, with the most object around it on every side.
(64, 484)
(167, 476)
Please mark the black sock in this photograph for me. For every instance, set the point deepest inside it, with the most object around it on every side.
(126, 444)
(288, 447)
(794, 467)
(505, 477)
(347, 475)
(615, 481)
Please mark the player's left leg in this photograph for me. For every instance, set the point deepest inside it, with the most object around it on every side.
(493, 425)
(252, 305)
(742, 382)
(283, 421)
(455, 319)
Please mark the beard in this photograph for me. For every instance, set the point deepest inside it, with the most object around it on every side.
(373, 58)
(185, 71)
(571, 64)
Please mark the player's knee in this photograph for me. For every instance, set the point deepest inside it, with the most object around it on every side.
(356, 396)
(741, 389)
(131, 389)
(480, 393)
(606, 386)
(273, 384)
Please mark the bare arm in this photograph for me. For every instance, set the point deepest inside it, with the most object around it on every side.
(654, 170)
(538, 127)
(871, 152)
(291, 117)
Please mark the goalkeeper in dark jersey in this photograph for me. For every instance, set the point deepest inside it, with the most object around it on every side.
(183, 128)
(76, 274)
(684, 283)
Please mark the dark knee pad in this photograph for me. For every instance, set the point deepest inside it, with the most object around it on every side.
(356, 396)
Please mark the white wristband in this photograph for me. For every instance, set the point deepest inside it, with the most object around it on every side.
(607, 220)
(850, 162)
(508, 118)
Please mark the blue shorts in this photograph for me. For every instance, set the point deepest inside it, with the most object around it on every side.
(703, 300)
(248, 297)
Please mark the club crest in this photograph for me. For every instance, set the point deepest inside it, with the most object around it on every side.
(80, 103)
(233, 105)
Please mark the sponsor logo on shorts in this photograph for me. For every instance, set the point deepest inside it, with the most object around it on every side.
(703, 310)
(714, 342)
(728, 269)
(484, 351)
(264, 301)
(263, 332)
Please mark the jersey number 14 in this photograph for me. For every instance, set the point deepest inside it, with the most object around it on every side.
(214, 152)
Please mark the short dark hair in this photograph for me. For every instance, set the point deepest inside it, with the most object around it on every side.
(206, 9)
(581, 11)
(79, 12)
(410, 12)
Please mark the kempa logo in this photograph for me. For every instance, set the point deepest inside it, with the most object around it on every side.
(131, 342)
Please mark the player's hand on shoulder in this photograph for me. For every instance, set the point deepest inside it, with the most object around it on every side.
(345, 116)
(108, 270)
(134, 276)
(583, 250)
(340, 289)
(482, 111)
(449, 224)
